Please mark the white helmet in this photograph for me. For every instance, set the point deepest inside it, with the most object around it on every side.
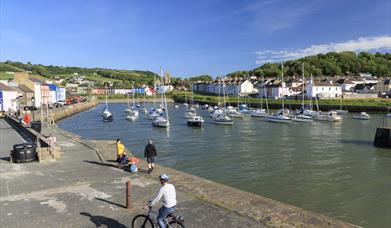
(164, 177)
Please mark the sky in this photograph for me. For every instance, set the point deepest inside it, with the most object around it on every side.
(188, 37)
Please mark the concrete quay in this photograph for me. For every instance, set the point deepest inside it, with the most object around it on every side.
(81, 191)
(85, 189)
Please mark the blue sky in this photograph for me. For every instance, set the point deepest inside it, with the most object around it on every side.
(186, 37)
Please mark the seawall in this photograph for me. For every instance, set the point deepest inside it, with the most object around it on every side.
(267, 211)
(66, 111)
(323, 107)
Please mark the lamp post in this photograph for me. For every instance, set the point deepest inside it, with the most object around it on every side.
(33, 105)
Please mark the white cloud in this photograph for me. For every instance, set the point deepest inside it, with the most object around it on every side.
(361, 44)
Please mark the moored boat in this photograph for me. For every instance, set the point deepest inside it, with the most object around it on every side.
(330, 116)
(196, 121)
(362, 116)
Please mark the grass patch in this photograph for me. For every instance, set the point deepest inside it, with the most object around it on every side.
(375, 102)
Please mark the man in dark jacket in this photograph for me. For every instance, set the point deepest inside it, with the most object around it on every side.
(150, 154)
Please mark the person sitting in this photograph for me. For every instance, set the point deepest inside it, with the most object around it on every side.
(121, 154)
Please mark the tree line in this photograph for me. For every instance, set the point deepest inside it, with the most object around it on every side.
(331, 64)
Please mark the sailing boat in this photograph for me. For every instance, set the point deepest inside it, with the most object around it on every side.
(193, 119)
(107, 116)
(127, 99)
(185, 103)
(282, 115)
(261, 112)
(310, 112)
(133, 114)
(341, 111)
(301, 117)
(231, 112)
(153, 112)
(160, 121)
(223, 119)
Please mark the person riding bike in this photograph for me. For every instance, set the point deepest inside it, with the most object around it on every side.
(167, 191)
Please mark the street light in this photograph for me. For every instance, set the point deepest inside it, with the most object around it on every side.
(32, 101)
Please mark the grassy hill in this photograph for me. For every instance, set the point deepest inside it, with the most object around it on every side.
(330, 64)
(125, 77)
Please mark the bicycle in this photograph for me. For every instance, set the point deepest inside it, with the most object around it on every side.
(145, 221)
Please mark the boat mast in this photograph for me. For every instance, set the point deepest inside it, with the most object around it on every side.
(133, 94)
(282, 84)
(302, 103)
(107, 107)
(164, 101)
(225, 114)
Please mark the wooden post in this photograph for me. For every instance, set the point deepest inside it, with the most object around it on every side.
(128, 194)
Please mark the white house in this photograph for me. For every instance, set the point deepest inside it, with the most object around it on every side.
(8, 98)
(323, 89)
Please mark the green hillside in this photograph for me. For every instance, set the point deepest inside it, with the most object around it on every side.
(330, 64)
(125, 77)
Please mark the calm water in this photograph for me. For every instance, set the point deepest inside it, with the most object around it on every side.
(330, 168)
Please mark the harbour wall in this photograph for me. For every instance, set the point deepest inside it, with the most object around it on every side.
(350, 108)
(57, 114)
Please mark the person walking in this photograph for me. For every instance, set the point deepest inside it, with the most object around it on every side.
(121, 155)
(167, 191)
(150, 154)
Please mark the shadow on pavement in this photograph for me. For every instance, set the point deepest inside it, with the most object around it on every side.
(6, 158)
(100, 221)
(102, 164)
(112, 203)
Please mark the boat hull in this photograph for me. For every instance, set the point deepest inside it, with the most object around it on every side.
(278, 120)
(219, 122)
(302, 120)
(195, 123)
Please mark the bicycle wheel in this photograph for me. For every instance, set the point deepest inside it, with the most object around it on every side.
(176, 224)
(142, 221)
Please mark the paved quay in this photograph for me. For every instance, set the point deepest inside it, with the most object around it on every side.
(8, 138)
(81, 191)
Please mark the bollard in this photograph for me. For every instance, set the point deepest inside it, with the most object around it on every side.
(128, 192)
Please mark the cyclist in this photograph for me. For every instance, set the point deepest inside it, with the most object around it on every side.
(167, 191)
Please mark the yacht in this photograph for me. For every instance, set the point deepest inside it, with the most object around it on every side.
(160, 121)
(259, 113)
(303, 118)
(195, 121)
(330, 116)
(362, 116)
(281, 117)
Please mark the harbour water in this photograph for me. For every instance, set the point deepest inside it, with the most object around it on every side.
(329, 168)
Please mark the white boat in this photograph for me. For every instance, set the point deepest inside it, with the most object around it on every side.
(216, 112)
(244, 109)
(205, 106)
(153, 114)
(388, 115)
(234, 113)
(259, 113)
(144, 110)
(302, 118)
(107, 116)
(186, 104)
(160, 121)
(279, 119)
(362, 116)
(176, 106)
(131, 117)
(223, 119)
(330, 116)
(310, 113)
(195, 121)
(210, 109)
(282, 115)
(190, 114)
